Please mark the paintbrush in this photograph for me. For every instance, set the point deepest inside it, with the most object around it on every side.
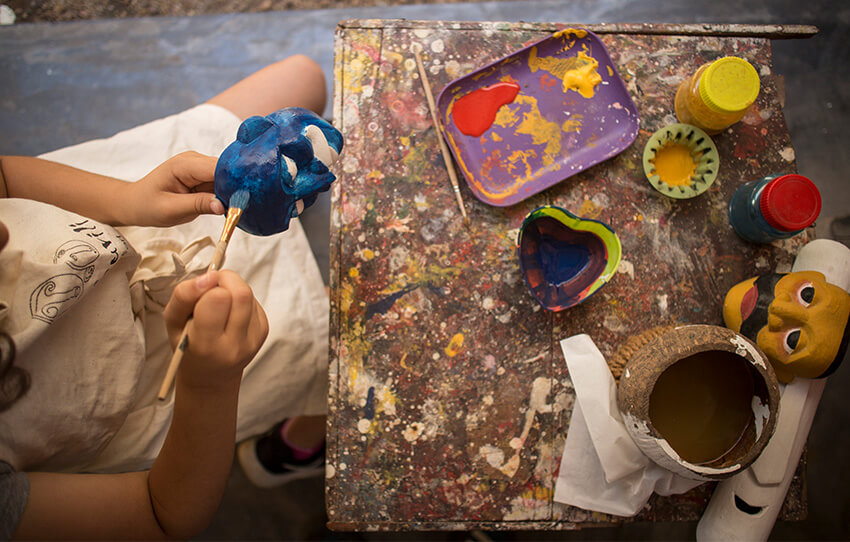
(447, 158)
(238, 203)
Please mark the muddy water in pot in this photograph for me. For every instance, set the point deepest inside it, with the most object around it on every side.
(702, 404)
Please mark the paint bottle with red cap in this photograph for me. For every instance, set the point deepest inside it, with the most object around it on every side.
(775, 207)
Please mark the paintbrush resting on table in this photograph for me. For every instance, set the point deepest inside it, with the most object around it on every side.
(275, 169)
(447, 158)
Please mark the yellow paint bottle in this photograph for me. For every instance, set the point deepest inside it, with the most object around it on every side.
(718, 95)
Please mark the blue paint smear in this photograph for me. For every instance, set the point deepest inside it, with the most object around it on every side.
(253, 162)
(369, 412)
(385, 304)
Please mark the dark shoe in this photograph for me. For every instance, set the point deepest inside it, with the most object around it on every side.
(268, 461)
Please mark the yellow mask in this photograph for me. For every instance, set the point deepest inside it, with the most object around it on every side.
(798, 319)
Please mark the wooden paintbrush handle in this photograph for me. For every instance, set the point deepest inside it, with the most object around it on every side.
(182, 345)
(233, 216)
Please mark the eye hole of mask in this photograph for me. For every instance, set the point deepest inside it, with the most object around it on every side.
(792, 338)
(806, 294)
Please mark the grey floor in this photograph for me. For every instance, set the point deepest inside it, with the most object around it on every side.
(68, 82)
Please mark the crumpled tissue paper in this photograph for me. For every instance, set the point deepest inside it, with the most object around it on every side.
(602, 469)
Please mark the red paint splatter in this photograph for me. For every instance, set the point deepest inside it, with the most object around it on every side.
(474, 113)
(547, 82)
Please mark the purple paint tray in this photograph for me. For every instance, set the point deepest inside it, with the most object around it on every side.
(552, 129)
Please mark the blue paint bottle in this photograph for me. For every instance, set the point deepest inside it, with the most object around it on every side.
(775, 207)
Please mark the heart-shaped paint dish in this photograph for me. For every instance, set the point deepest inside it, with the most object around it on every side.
(564, 258)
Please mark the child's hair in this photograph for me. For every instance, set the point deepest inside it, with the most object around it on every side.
(14, 381)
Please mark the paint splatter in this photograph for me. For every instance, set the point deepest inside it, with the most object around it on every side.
(474, 113)
(369, 411)
(455, 345)
(413, 431)
(578, 73)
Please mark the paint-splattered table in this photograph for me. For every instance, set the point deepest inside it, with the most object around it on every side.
(449, 398)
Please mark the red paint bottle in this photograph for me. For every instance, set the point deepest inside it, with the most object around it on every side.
(775, 207)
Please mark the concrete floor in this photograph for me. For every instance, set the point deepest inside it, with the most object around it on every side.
(69, 82)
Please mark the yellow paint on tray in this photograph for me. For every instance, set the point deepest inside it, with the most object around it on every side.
(517, 157)
(674, 164)
(542, 131)
(572, 124)
(578, 73)
(507, 115)
(353, 272)
(583, 78)
(455, 345)
(565, 33)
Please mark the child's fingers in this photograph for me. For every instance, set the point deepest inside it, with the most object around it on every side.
(260, 324)
(192, 168)
(185, 207)
(211, 315)
(183, 300)
(242, 308)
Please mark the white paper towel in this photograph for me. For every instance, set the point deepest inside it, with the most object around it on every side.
(602, 469)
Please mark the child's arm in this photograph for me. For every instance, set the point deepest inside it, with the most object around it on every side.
(175, 192)
(180, 494)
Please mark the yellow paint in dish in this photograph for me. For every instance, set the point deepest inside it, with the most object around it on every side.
(675, 165)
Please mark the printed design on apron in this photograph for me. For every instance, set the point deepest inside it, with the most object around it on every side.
(54, 296)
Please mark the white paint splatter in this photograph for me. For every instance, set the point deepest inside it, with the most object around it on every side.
(488, 303)
(494, 456)
(363, 425)
(413, 431)
(613, 323)
(453, 69)
(745, 348)
(787, 154)
(627, 268)
(761, 413)
(601, 200)
(662, 303)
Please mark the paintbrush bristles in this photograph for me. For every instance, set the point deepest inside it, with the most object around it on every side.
(240, 199)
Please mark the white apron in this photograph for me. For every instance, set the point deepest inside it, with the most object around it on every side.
(83, 303)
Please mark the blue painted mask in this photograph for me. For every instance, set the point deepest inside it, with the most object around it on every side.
(282, 161)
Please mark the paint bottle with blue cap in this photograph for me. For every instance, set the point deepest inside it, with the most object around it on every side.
(774, 207)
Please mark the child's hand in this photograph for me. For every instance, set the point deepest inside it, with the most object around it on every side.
(177, 191)
(228, 327)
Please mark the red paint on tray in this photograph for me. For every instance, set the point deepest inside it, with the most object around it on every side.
(474, 113)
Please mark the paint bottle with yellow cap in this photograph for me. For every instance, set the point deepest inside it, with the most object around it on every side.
(718, 95)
